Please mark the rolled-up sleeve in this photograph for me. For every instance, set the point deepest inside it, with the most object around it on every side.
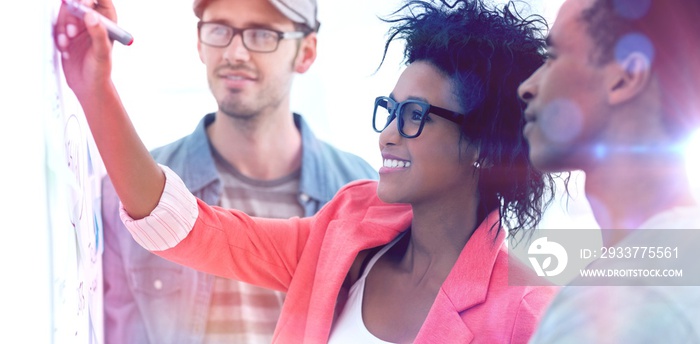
(172, 219)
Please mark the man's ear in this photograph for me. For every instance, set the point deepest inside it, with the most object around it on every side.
(629, 78)
(306, 55)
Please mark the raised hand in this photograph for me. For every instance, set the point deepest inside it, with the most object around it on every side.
(87, 64)
(85, 48)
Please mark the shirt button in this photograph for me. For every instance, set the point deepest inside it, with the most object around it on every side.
(158, 284)
(304, 197)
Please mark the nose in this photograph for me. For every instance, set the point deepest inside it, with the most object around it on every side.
(236, 51)
(528, 89)
(390, 135)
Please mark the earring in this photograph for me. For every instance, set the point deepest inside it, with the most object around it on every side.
(476, 164)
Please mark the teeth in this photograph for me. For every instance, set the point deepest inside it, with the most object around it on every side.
(233, 77)
(396, 163)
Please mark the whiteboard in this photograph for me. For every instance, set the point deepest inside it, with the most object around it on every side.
(52, 242)
(73, 173)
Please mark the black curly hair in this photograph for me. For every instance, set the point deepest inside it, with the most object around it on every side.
(487, 52)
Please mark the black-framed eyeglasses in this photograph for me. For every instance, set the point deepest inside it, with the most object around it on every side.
(254, 39)
(412, 114)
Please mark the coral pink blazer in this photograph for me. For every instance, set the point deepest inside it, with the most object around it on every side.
(309, 259)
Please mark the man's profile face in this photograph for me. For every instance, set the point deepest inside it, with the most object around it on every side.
(243, 82)
(566, 113)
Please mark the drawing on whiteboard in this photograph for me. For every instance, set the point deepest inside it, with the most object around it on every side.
(74, 158)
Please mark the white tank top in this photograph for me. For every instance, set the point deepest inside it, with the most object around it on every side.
(349, 326)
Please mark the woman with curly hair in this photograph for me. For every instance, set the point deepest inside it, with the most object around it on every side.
(418, 256)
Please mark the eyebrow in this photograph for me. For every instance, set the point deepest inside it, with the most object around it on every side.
(391, 95)
(249, 26)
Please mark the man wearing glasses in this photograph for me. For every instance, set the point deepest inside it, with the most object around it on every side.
(252, 154)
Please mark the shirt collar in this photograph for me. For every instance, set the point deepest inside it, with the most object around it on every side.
(313, 181)
(200, 169)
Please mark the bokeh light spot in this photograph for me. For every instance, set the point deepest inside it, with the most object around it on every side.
(632, 9)
(561, 120)
(634, 42)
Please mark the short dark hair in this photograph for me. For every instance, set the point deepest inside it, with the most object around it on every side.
(669, 31)
(487, 53)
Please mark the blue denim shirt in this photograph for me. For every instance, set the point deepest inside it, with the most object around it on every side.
(150, 300)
